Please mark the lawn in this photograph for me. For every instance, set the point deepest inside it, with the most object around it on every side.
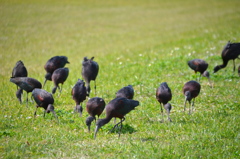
(142, 43)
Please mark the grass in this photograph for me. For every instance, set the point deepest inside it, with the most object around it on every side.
(142, 43)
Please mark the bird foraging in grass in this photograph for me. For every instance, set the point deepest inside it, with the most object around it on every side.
(59, 76)
(90, 70)
(45, 100)
(19, 71)
(231, 51)
(95, 106)
(164, 95)
(199, 65)
(53, 64)
(191, 90)
(26, 83)
(118, 108)
(79, 94)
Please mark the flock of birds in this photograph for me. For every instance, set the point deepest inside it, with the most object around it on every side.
(119, 106)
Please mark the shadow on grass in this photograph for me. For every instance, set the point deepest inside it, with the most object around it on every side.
(126, 129)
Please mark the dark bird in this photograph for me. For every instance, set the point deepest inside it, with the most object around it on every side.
(53, 64)
(95, 106)
(127, 92)
(79, 94)
(118, 108)
(164, 95)
(26, 83)
(45, 100)
(191, 90)
(199, 65)
(59, 76)
(89, 72)
(230, 52)
(19, 71)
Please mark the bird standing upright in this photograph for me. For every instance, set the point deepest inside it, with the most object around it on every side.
(79, 94)
(127, 92)
(59, 76)
(90, 70)
(45, 100)
(53, 64)
(95, 106)
(164, 95)
(191, 90)
(230, 52)
(199, 65)
(19, 71)
(26, 83)
(118, 108)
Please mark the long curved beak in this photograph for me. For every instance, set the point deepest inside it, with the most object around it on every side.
(54, 113)
(89, 128)
(44, 83)
(95, 132)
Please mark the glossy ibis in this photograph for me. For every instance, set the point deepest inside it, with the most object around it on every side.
(53, 64)
(230, 52)
(89, 72)
(127, 92)
(164, 95)
(118, 108)
(19, 71)
(79, 94)
(26, 83)
(95, 106)
(199, 65)
(191, 90)
(45, 100)
(59, 76)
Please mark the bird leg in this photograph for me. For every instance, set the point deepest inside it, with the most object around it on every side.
(193, 104)
(233, 65)
(60, 90)
(35, 113)
(119, 133)
(189, 107)
(27, 99)
(199, 77)
(117, 124)
(162, 112)
(95, 87)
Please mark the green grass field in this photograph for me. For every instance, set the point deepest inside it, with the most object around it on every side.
(142, 43)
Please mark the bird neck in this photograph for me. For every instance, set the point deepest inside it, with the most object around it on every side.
(106, 120)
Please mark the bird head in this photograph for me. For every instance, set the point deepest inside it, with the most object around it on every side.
(168, 107)
(206, 74)
(216, 69)
(49, 109)
(48, 76)
(89, 121)
(187, 95)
